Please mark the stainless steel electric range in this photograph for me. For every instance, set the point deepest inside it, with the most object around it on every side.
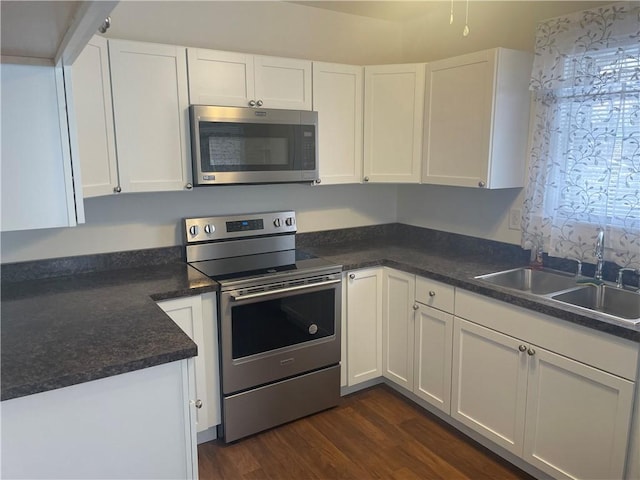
(279, 319)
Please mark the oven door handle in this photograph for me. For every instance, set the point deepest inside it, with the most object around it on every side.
(237, 298)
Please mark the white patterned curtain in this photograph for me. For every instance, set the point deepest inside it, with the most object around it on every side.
(584, 165)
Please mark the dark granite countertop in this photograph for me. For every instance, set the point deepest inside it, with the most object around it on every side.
(458, 269)
(72, 329)
(71, 320)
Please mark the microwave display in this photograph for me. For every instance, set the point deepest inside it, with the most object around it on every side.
(229, 147)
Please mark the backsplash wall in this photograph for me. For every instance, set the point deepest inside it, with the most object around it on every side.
(149, 220)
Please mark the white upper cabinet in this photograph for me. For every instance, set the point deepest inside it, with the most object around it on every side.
(38, 188)
(477, 119)
(393, 117)
(337, 97)
(150, 106)
(241, 80)
(96, 147)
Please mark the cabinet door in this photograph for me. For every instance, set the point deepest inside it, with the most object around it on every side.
(187, 313)
(477, 119)
(282, 82)
(489, 383)
(150, 105)
(337, 97)
(397, 327)
(37, 182)
(458, 108)
(91, 89)
(577, 420)
(433, 351)
(220, 78)
(364, 325)
(393, 109)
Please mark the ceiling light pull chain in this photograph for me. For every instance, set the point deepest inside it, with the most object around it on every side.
(465, 32)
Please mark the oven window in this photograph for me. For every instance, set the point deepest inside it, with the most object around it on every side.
(271, 324)
(237, 147)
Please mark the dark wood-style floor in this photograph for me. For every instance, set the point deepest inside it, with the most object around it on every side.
(375, 433)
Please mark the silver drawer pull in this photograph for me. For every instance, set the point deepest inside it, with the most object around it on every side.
(237, 298)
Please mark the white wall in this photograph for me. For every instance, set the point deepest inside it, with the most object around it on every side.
(148, 220)
(468, 211)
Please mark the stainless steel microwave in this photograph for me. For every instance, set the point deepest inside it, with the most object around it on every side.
(232, 145)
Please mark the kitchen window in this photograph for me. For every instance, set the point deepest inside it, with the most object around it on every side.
(584, 171)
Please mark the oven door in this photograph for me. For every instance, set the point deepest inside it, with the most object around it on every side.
(279, 333)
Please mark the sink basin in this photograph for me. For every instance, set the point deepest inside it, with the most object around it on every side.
(603, 298)
(540, 282)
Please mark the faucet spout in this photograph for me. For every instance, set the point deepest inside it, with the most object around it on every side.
(599, 254)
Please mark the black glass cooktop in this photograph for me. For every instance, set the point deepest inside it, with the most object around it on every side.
(260, 266)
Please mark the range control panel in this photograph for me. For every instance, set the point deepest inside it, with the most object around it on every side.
(205, 229)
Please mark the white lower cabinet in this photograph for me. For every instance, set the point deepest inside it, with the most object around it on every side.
(433, 342)
(561, 400)
(134, 425)
(364, 325)
(398, 327)
(417, 335)
(196, 316)
(556, 394)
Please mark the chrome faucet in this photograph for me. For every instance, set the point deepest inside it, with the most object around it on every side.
(599, 254)
(619, 282)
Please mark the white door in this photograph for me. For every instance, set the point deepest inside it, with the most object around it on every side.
(91, 90)
(393, 110)
(187, 314)
(282, 82)
(364, 325)
(578, 418)
(150, 105)
(489, 383)
(458, 110)
(220, 78)
(433, 351)
(398, 290)
(337, 97)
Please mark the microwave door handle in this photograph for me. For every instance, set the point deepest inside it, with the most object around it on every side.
(237, 298)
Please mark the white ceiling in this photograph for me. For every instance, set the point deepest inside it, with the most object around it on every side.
(401, 10)
(34, 29)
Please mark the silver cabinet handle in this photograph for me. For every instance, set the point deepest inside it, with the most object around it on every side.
(352, 276)
(366, 179)
(252, 103)
(481, 184)
(259, 103)
(198, 403)
(432, 293)
(416, 306)
(117, 189)
(188, 186)
(522, 348)
(531, 352)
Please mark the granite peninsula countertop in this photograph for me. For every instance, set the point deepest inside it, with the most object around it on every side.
(62, 331)
(71, 329)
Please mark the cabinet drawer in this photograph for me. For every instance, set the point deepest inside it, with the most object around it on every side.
(435, 294)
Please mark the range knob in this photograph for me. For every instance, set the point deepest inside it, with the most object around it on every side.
(209, 229)
(289, 221)
(277, 223)
(193, 230)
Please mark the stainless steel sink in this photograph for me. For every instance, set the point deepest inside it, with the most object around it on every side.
(540, 282)
(606, 299)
